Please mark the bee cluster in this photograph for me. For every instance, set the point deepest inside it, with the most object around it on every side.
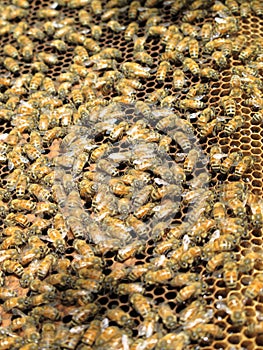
(130, 130)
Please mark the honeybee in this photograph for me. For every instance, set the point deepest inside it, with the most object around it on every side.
(256, 208)
(190, 65)
(193, 15)
(229, 105)
(19, 219)
(218, 260)
(243, 165)
(235, 309)
(182, 140)
(167, 315)
(14, 267)
(45, 266)
(11, 65)
(108, 334)
(137, 271)
(96, 7)
(233, 125)
(27, 52)
(141, 304)
(255, 327)
(177, 5)
(187, 292)
(59, 45)
(257, 7)
(190, 161)
(120, 317)
(238, 43)
(115, 26)
(49, 58)
(52, 134)
(43, 298)
(47, 13)
(19, 302)
(134, 70)
(209, 73)
(230, 273)
(130, 250)
(110, 14)
(10, 340)
(17, 238)
(219, 211)
(39, 66)
(174, 56)
(162, 71)
(219, 58)
(115, 276)
(36, 81)
(237, 206)
(77, 228)
(47, 335)
(159, 276)
(247, 263)
(230, 161)
(183, 279)
(83, 248)
(81, 314)
(206, 32)
(201, 331)
(21, 186)
(47, 312)
(247, 52)
(178, 79)
(85, 18)
(188, 257)
(96, 31)
(5, 293)
(254, 289)
(215, 158)
(143, 57)
(173, 341)
(64, 89)
(187, 104)
(12, 179)
(131, 31)
(41, 193)
(92, 333)
(22, 205)
(193, 48)
(57, 240)
(139, 43)
(10, 50)
(197, 90)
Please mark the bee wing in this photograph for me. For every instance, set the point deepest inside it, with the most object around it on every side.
(193, 115)
(3, 137)
(159, 262)
(220, 305)
(120, 156)
(160, 181)
(180, 157)
(214, 236)
(105, 323)
(186, 242)
(125, 342)
(54, 5)
(78, 329)
(219, 155)
(85, 31)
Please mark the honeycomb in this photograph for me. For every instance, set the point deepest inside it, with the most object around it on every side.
(66, 287)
